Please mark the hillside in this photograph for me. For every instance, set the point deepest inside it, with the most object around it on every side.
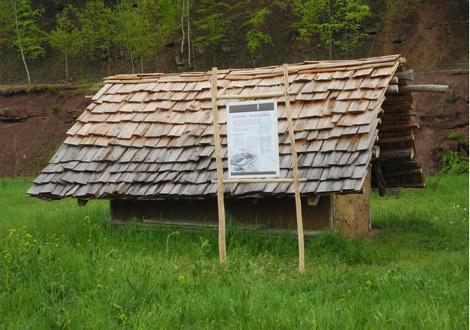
(431, 34)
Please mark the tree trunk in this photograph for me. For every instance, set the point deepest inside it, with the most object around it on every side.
(17, 30)
(156, 59)
(109, 63)
(66, 68)
(189, 35)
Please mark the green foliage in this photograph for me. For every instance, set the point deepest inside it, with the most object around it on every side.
(399, 9)
(97, 28)
(332, 22)
(213, 22)
(66, 37)
(458, 136)
(56, 108)
(254, 37)
(455, 162)
(144, 26)
(20, 24)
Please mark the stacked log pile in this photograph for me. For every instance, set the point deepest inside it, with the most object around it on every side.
(397, 165)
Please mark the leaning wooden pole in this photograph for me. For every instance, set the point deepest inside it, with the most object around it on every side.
(298, 204)
(220, 169)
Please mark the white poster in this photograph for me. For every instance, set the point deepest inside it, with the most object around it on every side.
(253, 150)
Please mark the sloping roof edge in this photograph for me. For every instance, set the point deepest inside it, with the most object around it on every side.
(150, 136)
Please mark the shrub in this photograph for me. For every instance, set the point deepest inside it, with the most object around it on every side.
(453, 163)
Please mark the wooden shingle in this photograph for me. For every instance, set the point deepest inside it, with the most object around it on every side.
(151, 136)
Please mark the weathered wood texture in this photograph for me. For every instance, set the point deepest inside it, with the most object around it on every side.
(151, 136)
(397, 165)
(395, 89)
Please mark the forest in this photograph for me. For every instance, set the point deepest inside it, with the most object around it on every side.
(140, 32)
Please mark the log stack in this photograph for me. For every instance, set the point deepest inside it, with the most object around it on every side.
(397, 165)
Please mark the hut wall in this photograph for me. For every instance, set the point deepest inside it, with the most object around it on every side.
(349, 214)
(352, 211)
(266, 212)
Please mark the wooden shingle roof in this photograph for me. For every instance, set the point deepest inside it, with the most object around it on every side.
(150, 136)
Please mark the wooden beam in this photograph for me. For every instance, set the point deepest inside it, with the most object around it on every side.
(392, 89)
(260, 180)
(417, 171)
(399, 107)
(313, 200)
(406, 75)
(397, 154)
(375, 152)
(395, 89)
(386, 116)
(406, 185)
(220, 169)
(398, 128)
(396, 139)
(253, 96)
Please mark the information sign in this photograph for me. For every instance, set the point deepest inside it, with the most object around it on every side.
(253, 149)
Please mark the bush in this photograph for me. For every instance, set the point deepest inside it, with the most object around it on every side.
(453, 163)
(456, 162)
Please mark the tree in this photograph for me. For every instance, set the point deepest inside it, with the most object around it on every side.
(132, 31)
(66, 37)
(98, 29)
(20, 23)
(254, 37)
(159, 22)
(212, 23)
(331, 22)
(143, 26)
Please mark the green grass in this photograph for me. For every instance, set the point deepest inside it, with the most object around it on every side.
(63, 266)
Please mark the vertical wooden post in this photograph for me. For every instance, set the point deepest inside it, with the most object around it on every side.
(298, 205)
(220, 169)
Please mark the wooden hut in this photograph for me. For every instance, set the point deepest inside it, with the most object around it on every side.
(146, 143)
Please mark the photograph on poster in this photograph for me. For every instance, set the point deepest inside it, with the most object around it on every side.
(253, 150)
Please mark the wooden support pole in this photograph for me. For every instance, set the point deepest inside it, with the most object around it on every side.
(220, 169)
(298, 205)
(395, 89)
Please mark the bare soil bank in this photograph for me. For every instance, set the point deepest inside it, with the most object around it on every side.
(33, 125)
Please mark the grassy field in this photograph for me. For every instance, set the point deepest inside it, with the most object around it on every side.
(63, 267)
